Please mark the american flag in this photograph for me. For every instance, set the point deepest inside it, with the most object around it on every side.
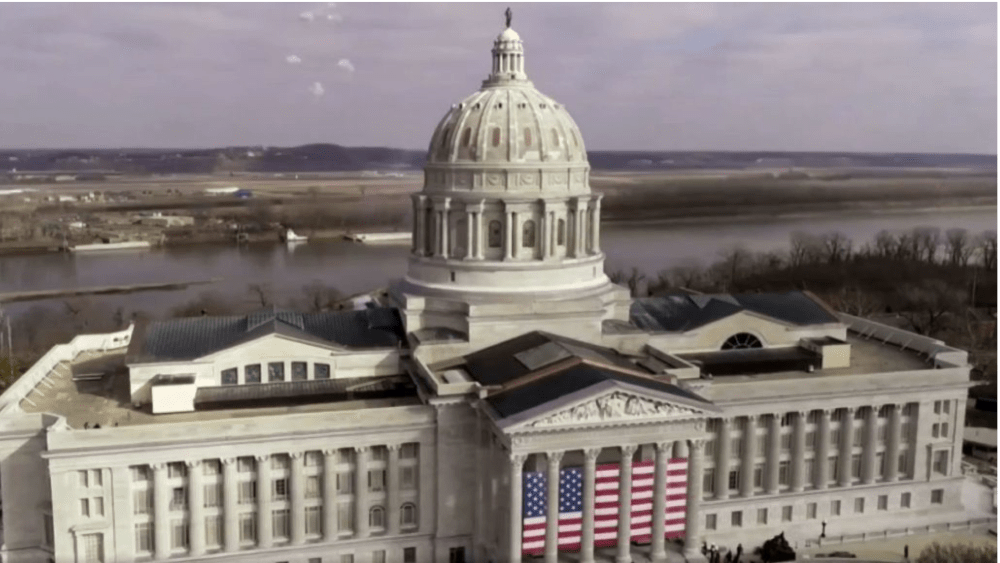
(605, 506)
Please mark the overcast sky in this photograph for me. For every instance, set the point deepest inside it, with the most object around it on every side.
(813, 77)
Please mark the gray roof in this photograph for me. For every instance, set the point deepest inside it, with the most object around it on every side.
(682, 312)
(195, 337)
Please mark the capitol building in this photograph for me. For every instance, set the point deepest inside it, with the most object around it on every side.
(506, 401)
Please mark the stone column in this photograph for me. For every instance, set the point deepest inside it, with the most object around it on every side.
(871, 441)
(161, 512)
(298, 504)
(543, 232)
(589, 493)
(552, 514)
(419, 229)
(479, 232)
(516, 508)
(196, 507)
(846, 446)
(508, 251)
(553, 233)
(230, 494)
(822, 458)
(722, 458)
(892, 444)
(264, 533)
(658, 550)
(799, 452)
(773, 453)
(329, 495)
(692, 524)
(469, 229)
(749, 455)
(436, 242)
(361, 491)
(445, 228)
(392, 490)
(595, 226)
(625, 505)
(515, 234)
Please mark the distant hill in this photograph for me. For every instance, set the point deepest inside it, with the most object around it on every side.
(330, 158)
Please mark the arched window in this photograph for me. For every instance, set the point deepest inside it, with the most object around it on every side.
(555, 137)
(496, 136)
(466, 136)
(408, 515)
(376, 517)
(576, 142)
(444, 137)
(741, 341)
(495, 234)
(561, 235)
(528, 232)
(527, 136)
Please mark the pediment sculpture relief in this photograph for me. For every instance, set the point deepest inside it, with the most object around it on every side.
(616, 406)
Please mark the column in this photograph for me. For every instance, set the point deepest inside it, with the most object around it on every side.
(230, 490)
(846, 446)
(516, 508)
(470, 227)
(892, 443)
(196, 507)
(515, 234)
(552, 513)
(822, 458)
(479, 232)
(869, 446)
(445, 228)
(508, 240)
(595, 226)
(329, 495)
(589, 490)
(625, 505)
(692, 524)
(392, 490)
(553, 233)
(773, 453)
(799, 452)
(436, 243)
(298, 491)
(583, 226)
(361, 491)
(161, 512)
(749, 455)
(722, 458)
(264, 533)
(658, 550)
(543, 233)
(419, 229)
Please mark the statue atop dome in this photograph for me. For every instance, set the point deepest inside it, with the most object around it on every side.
(509, 15)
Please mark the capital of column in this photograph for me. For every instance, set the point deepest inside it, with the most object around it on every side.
(296, 455)
(262, 457)
(362, 449)
(592, 453)
(628, 450)
(393, 447)
(517, 460)
(827, 411)
(159, 466)
(555, 457)
(481, 207)
(803, 414)
(228, 460)
(752, 417)
(696, 443)
(330, 452)
(896, 407)
(664, 447)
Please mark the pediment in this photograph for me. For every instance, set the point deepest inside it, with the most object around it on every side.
(275, 344)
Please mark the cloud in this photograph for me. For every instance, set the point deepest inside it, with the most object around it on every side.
(293, 59)
(307, 16)
(346, 65)
(317, 89)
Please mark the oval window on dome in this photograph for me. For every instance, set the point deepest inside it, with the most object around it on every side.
(466, 135)
(496, 136)
(527, 136)
(555, 137)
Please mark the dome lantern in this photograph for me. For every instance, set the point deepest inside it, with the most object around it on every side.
(508, 57)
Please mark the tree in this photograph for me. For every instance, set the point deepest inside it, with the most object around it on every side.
(986, 249)
(320, 297)
(885, 244)
(804, 248)
(926, 241)
(926, 305)
(262, 293)
(958, 246)
(735, 261)
(958, 553)
(836, 247)
(631, 279)
(853, 301)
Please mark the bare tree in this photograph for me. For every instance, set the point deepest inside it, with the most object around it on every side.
(804, 248)
(853, 301)
(689, 275)
(958, 553)
(885, 244)
(735, 261)
(959, 247)
(986, 249)
(631, 279)
(836, 247)
(321, 297)
(928, 304)
(926, 241)
(262, 293)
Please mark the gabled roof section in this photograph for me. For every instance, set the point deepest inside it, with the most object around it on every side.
(682, 312)
(196, 337)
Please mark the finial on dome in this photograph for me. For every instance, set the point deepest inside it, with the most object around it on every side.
(509, 15)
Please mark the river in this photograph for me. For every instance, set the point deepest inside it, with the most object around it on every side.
(354, 268)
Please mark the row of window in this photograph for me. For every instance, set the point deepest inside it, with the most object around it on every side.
(275, 372)
(839, 415)
(496, 135)
(787, 512)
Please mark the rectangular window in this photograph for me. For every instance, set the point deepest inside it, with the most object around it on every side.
(808, 470)
(834, 468)
(179, 534)
(93, 547)
(786, 441)
(408, 451)
(347, 558)
(299, 372)
(97, 504)
(378, 556)
(736, 448)
(314, 520)
(408, 477)
(409, 555)
(883, 502)
(946, 406)
(213, 495)
(178, 498)
(760, 445)
(937, 496)
(859, 505)
(230, 376)
(734, 479)
(313, 459)
(708, 481)
(248, 527)
(140, 473)
(280, 489)
(345, 483)
(376, 480)
(380, 453)
(276, 371)
(835, 436)
(937, 407)
(321, 371)
(144, 537)
(880, 463)
(855, 466)
(84, 479)
(313, 486)
(758, 476)
(810, 440)
(142, 501)
(834, 508)
(944, 429)
(859, 436)
(280, 524)
(786, 513)
(762, 516)
(345, 516)
(904, 500)
(251, 373)
(902, 463)
(811, 509)
(783, 473)
(882, 431)
(941, 462)
(935, 430)
(85, 507)
(213, 531)
(211, 467)
(737, 518)
(248, 492)
(246, 464)
(95, 478)
(711, 522)
(176, 470)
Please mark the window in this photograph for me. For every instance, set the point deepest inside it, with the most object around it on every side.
(345, 484)
(276, 371)
(935, 430)
(904, 500)
(97, 504)
(946, 406)
(902, 463)
(883, 502)
(140, 473)
(734, 479)
(345, 516)
(313, 486)
(496, 136)
(880, 462)
(811, 511)
(736, 518)
(811, 440)
(859, 505)
(85, 507)
(408, 515)
(528, 231)
(710, 522)
(280, 523)
(378, 556)
(144, 537)
(379, 453)
(408, 477)
(376, 480)
(937, 496)
(834, 508)
(408, 451)
(409, 555)
(561, 233)
(495, 234)
(280, 461)
(786, 441)
(230, 376)
(313, 459)
(736, 448)
(179, 534)
(758, 476)
(859, 434)
(834, 469)
(944, 429)
(299, 371)
(248, 492)
(213, 531)
(93, 548)
(84, 480)
(347, 558)
(176, 470)
(466, 136)
(883, 430)
(855, 466)
(280, 489)
(376, 517)
(178, 498)
(937, 407)
(314, 520)
(527, 136)
(710, 447)
(786, 513)
(708, 481)
(246, 464)
(251, 373)
(761, 443)
(142, 501)
(783, 473)
(835, 437)
(762, 516)
(741, 341)
(211, 467)
(808, 469)
(321, 371)
(248, 527)
(941, 462)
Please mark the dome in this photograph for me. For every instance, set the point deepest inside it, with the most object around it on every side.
(508, 35)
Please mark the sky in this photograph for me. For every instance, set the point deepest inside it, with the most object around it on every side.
(893, 77)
